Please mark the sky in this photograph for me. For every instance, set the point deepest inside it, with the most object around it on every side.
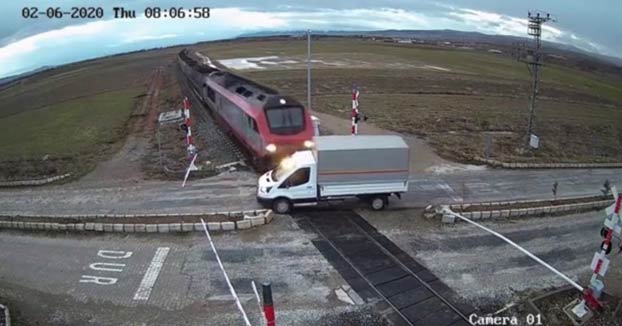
(27, 44)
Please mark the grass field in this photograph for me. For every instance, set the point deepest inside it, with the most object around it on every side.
(67, 128)
(578, 115)
(79, 113)
(74, 115)
(72, 135)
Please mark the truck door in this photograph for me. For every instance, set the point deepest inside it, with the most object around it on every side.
(300, 186)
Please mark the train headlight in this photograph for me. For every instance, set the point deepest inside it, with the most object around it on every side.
(271, 148)
(287, 163)
(308, 144)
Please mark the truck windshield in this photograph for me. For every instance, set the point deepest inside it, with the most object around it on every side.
(283, 169)
(285, 120)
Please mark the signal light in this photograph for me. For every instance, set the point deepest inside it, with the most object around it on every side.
(271, 148)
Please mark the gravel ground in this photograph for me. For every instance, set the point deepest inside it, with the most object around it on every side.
(212, 142)
(488, 272)
(168, 148)
(362, 317)
(553, 314)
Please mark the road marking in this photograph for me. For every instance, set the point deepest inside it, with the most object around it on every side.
(108, 267)
(146, 285)
(98, 280)
(114, 254)
(224, 273)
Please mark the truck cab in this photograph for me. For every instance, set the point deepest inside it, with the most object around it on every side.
(292, 182)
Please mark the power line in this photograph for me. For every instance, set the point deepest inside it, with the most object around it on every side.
(534, 28)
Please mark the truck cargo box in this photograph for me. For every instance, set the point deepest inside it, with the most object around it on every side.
(345, 161)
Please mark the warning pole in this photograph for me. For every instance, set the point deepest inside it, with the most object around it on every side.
(600, 262)
(268, 305)
(187, 121)
(355, 110)
(190, 149)
(189, 143)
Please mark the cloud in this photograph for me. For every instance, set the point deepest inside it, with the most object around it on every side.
(362, 19)
(148, 38)
(59, 36)
(120, 35)
(493, 23)
(105, 37)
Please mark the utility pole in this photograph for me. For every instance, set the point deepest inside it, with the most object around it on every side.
(309, 69)
(534, 28)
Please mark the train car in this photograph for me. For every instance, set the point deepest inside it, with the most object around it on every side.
(268, 124)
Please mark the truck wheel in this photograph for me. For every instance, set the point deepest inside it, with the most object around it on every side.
(378, 203)
(281, 206)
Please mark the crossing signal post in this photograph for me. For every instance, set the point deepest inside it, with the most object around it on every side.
(600, 262)
(188, 128)
(191, 149)
(356, 114)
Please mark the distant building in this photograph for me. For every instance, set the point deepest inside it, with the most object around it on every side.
(495, 51)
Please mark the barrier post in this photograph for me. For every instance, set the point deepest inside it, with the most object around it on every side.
(600, 262)
(268, 306)
(355, 110)
(191, 148)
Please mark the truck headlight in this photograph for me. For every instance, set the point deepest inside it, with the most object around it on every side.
(308, 144)
(265, 190)
(271, 148)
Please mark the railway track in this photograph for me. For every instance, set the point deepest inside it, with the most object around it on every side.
(379, 271)
(207, 126)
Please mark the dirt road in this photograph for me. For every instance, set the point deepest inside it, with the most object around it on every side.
(126, 165)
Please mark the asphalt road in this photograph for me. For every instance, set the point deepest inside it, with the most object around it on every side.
(228, 191)
(236, 191)
(499, 184)
(49, 279)
(53, 278)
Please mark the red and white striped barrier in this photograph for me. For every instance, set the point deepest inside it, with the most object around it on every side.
(355, 110)
(191, 148)
(600, 262)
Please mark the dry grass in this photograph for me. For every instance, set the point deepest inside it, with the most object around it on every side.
(77, 114)
(577, 117)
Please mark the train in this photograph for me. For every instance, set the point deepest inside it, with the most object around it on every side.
(267, 124)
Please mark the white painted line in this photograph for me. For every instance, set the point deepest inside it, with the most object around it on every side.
(265, 321)
(146, 285)
(222, 268)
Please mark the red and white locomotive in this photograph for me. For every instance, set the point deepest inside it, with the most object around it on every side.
(269, 125)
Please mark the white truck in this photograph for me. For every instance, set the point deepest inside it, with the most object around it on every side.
(371, 168)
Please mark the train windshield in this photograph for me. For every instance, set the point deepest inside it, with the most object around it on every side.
(285, 120)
